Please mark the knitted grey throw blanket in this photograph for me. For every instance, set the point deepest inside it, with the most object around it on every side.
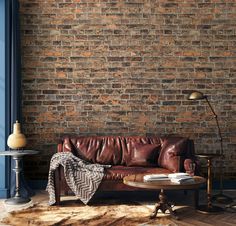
(82, 177)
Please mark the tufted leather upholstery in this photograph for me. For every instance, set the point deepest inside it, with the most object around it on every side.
(173, 154)
(118, 150)
(105, 150)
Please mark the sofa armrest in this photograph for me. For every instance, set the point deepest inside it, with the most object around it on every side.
(64, 145)
(59, 147)
(174, 151)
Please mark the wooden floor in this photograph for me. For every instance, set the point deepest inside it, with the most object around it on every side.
(191, 217)
(145, 204)
(184, 206)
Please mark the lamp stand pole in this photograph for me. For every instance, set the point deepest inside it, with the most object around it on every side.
(221, 198)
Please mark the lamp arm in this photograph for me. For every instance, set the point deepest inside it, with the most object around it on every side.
(217, 123)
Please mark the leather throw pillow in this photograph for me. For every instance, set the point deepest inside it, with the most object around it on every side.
(171, 152)
(145, 155)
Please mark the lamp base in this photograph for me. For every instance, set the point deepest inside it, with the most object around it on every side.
(209, 210)
(221, 198)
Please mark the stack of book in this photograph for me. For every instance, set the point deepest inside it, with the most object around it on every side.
(180, 178)
(155, 177)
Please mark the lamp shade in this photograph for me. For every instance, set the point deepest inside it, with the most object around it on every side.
(16, 140)
(196, 95)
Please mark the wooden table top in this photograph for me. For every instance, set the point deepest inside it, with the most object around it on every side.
(137, 181)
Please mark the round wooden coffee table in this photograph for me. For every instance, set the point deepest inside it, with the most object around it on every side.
(163, 204)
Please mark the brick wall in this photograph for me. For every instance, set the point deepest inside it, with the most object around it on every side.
(126, 67)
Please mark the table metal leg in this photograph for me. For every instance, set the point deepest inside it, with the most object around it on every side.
(17, 199)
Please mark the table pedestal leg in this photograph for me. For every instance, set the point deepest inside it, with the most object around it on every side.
(209, 208)
(17, 199)
(163, 205)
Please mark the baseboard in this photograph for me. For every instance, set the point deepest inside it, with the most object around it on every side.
(227, 184)
(4, 193)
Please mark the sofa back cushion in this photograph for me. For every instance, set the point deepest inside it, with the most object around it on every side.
(114, 150)
(145, 155)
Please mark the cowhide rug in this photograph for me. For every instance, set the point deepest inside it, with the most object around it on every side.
(97, 214)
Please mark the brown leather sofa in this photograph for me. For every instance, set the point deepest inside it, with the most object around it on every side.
(127, 155)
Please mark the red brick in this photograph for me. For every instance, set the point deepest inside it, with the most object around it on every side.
(126, 67)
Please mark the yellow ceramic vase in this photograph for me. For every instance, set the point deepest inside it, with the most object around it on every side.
(17, 139)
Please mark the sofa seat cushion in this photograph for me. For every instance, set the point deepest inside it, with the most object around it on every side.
(119, 172)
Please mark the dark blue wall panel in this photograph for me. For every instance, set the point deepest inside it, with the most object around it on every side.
(4, 169)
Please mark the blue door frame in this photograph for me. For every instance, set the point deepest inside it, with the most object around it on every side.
(4, 161)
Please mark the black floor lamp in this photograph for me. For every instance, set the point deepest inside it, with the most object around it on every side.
(221, 198)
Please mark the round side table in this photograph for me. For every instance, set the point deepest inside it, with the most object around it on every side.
(17, 155)
(209, 208)
(136, 180)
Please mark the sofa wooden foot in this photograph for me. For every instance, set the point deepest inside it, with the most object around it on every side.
(57, 186)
